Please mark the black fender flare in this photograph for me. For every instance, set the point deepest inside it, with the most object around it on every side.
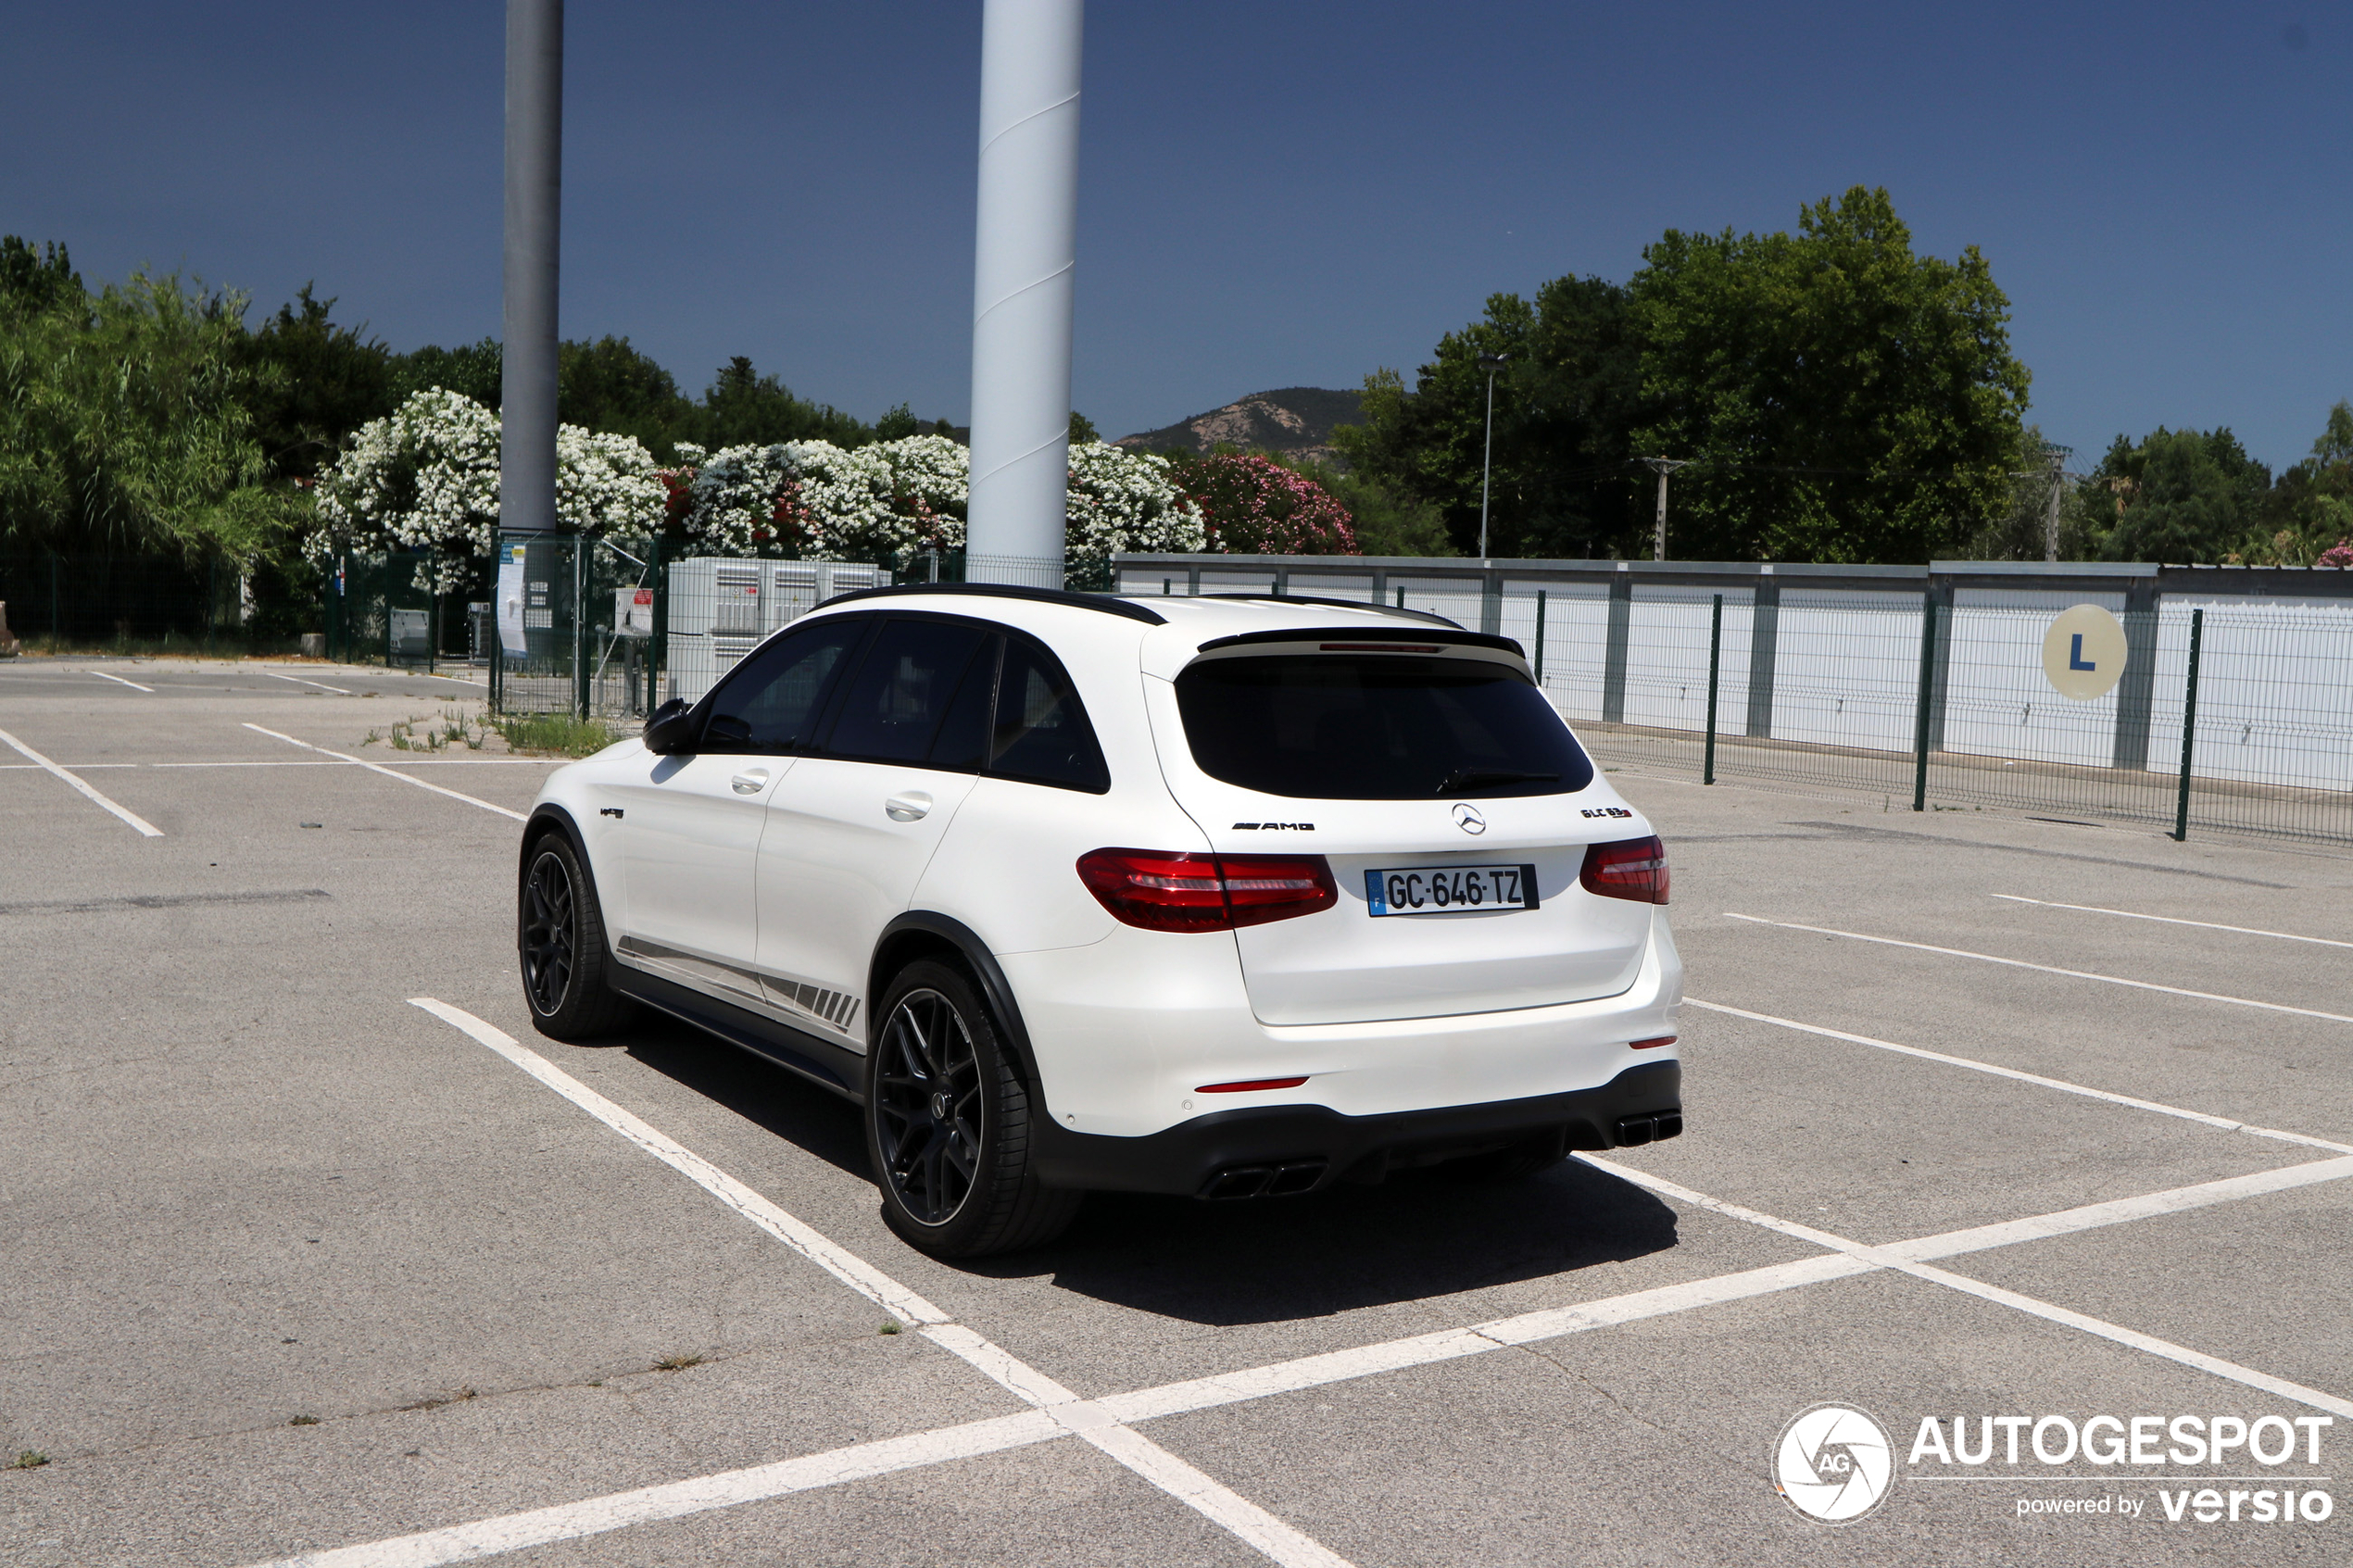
(548, 818)
(995, 988)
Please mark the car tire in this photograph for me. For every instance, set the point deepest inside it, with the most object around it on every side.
(947, 1123)
(560, 938)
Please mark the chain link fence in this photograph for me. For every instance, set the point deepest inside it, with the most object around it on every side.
(2230, 711)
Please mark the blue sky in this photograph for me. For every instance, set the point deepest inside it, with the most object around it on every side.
(1274, 193)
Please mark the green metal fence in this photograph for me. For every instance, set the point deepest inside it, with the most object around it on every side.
(150, 605)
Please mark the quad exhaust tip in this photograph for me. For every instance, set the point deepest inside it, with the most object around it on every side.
(1633, 1130)
(1265, 1181)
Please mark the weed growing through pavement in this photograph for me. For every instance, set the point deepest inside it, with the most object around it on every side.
(452, 730)
(558, 733)
(678, 1362)
(31, 1459)
(461, 1394)
(888, 1326)
(304, 1421)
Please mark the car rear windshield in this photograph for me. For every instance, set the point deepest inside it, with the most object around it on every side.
(1376, 727)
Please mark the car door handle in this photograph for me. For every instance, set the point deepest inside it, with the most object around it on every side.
(752, 781)
(910, 807)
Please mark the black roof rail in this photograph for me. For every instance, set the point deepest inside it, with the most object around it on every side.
(1431, 615)
(1126, 608)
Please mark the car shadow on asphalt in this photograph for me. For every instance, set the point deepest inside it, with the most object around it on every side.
(1419, 1234)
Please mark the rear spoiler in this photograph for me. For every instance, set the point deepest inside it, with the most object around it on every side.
(1427, 635)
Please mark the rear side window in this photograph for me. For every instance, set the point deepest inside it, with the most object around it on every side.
(770, 704)
(1376, 727)
(1042, 734)
(904, 687)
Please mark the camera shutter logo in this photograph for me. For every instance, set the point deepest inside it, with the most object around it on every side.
(1833, 1464)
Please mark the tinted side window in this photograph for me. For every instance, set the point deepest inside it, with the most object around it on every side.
(962, 745)
(771, 703)
(1041, 733)
(903, 688)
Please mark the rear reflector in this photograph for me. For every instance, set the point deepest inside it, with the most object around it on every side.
(1245, 1085)
(1631, 868)
(1168, 890)
(1647, 1045)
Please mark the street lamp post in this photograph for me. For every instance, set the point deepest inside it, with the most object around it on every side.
(1490, 363)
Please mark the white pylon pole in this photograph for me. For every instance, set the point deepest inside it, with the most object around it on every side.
(1024, 260)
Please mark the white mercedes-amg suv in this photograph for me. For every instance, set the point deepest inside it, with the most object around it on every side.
(1229, 897)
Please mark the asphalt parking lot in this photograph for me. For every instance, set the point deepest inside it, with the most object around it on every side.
(311, 1245)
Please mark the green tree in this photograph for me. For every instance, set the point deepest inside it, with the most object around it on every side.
(1841, 398)
(126, 418)
(743, 407)
(315, 383)
(609, 385)
(1565, 405)
(2187, 496)
(472, 369)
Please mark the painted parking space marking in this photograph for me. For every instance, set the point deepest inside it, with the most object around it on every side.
(120, 682)
(1901, 1259)
(2172, 920)
(1064, 1409)
(298, 680)
(2224, 1123)
(1841, 1259)
(145, 828)
(388, 772)
(2045, 968)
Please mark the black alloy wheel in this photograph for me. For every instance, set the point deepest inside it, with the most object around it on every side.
(560, 936)
(930, 1110)
(549, 910)
(949, 1121)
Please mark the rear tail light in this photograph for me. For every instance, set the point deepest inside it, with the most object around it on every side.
(1162, 890)
(1631, 868)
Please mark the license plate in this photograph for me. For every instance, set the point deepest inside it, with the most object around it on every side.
(1439, 890)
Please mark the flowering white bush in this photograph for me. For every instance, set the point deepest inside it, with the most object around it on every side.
(1124, 500)
(872, 502)
(427, 477)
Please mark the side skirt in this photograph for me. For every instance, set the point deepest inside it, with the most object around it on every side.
(821, 1062)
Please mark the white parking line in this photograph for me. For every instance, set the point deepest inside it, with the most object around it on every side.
(1902, 1259)
(146, 828)
(2170, 920)
(2224, 1123)
(388, 772)
(1097, 1418)
(2045, 968)
(300, 681)
(120, 682)
(1253, 1524)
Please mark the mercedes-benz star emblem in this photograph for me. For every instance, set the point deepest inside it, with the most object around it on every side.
(1466, 817)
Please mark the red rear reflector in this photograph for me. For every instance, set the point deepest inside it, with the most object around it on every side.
(1645, 1044)
(1382, 647)
(1631, 868)
(1169, 890)
(1249, 1084)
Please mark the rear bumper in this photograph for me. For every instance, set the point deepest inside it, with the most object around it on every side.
(1287, 1148)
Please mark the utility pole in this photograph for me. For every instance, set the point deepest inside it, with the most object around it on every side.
(535, 188)
(1665, 466)
(1490, 363)
(2057, 456)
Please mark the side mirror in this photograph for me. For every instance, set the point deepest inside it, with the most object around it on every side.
(667, 727)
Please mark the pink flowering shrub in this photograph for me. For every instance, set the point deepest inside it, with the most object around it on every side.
(1255, 507)
(2339, 554)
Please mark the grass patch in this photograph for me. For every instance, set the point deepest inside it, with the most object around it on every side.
(31, 1459)
(556, 733)
(452, 730)
(678, 1362)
